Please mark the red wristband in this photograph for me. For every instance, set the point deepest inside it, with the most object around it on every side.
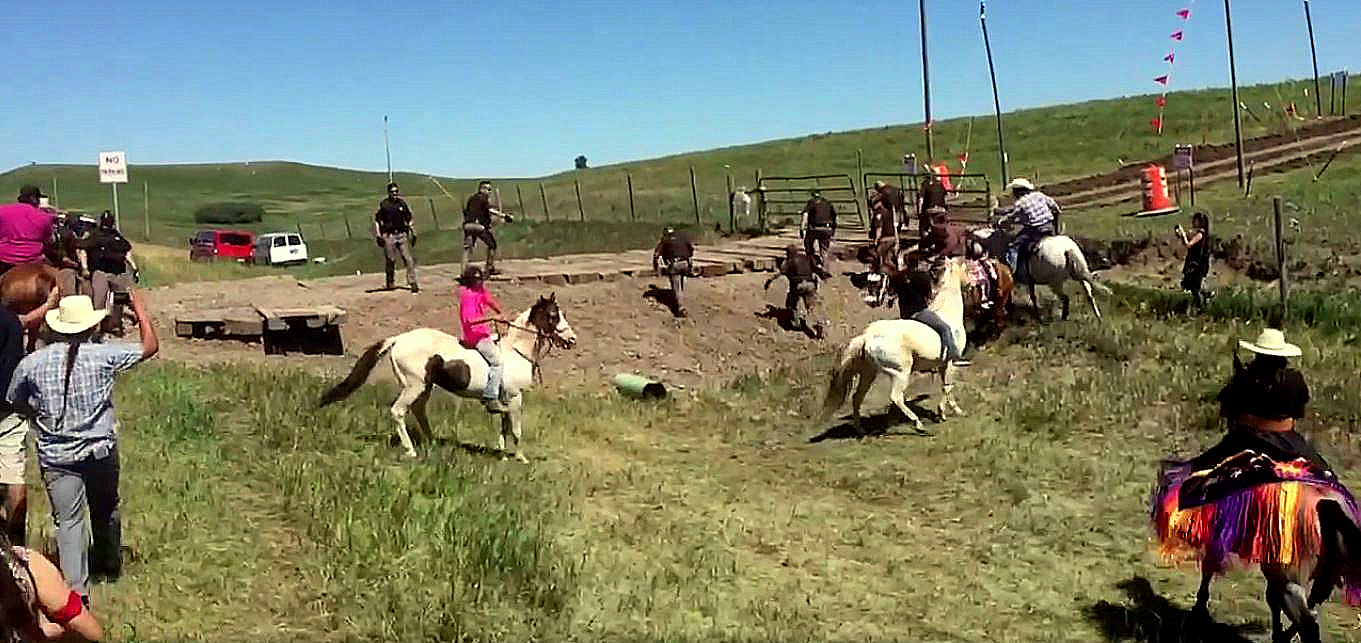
(72, 609)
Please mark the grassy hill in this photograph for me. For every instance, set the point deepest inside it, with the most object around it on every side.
(1048, 144)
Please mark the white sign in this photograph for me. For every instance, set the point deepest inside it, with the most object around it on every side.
(909, 164)
(1182, 159)
(113, 167)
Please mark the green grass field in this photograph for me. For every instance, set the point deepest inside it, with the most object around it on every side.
(696, 519)
(1047, 144)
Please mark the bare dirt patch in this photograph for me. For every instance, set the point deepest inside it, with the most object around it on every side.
(620, 330)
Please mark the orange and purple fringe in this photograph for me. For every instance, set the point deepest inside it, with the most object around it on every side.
(1274, 523)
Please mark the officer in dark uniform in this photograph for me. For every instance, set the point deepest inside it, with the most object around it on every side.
(477, 214)
(393, 233)
(817, 228)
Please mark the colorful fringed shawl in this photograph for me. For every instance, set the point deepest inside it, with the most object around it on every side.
(1246, 510)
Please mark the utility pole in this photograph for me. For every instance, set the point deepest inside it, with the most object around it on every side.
(386, 148)
(996, 103)
(1233, 79)
(926, 83)
(1313, 54)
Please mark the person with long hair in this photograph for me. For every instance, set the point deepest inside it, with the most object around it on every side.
(1197, 264)
(67, 387)
(36, 604)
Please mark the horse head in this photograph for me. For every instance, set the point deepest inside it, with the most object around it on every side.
(547, 318)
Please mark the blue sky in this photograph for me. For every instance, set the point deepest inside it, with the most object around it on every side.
(519, 88)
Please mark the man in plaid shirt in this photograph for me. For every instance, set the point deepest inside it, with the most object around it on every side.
(1035, 211)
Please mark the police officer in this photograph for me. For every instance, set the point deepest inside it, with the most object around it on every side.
(393, 233)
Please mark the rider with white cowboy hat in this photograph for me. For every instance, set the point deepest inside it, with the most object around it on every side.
(1262, 402)
(1037, 214)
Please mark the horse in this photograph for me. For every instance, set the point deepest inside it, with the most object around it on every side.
(27, 286)
(1053, 261)
(1299, 526)
(900, 347)
(991, 321)
(425, 357)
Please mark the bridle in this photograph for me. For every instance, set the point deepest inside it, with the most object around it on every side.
(543, 347)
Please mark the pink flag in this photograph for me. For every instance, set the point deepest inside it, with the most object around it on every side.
(1157, 124)
(1161, 80)
(1176, 35)
(1184, 14)
(1172, 57)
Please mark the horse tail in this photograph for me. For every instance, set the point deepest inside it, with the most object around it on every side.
(359, 374)
(842, 376)
(1077, 269)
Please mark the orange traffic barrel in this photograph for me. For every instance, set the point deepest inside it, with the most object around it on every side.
(1156, 200)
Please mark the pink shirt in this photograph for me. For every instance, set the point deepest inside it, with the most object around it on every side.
(473, 304)
(24, 229)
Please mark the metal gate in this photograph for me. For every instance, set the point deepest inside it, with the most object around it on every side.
(787, 195)
(970, 197)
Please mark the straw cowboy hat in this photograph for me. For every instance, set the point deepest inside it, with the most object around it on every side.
(1024, 184)
(74, 314)
(1272, 342)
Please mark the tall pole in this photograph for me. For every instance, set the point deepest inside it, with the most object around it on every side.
(926, 83)
(386, 148)
(996, 103)
(1313, 53)
(1233, 80)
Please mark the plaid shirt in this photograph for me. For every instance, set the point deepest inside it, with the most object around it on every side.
(87, 429)
(1033, 209)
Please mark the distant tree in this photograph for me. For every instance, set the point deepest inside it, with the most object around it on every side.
(229, 213)
(580, 162)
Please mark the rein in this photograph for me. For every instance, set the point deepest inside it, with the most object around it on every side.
(543, 346)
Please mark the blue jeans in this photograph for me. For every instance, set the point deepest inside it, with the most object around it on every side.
(947, 336)
(1025, 240)
(70, 487)
(492, 353)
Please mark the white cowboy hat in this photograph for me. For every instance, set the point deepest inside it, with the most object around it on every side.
(1020, 183)
(1272, 342)
(74, 314)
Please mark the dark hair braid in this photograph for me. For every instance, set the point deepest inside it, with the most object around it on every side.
(73, 347)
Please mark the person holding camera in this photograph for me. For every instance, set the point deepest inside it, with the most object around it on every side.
(477, 214)
(1197, 265)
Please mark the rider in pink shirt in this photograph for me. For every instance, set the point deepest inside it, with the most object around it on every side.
(475, 305)
(24, 230)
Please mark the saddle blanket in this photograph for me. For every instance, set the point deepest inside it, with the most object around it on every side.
(981, 277)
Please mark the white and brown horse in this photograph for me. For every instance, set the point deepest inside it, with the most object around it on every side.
(424, 358)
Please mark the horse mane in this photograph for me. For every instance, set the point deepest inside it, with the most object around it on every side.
(25, 287)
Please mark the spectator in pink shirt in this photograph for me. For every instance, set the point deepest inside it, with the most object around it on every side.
(25, 230)
(475, 310)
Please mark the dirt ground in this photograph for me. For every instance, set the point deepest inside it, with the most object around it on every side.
(734, 327)
(619, 330)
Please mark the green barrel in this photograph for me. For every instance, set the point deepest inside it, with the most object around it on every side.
(638, 386)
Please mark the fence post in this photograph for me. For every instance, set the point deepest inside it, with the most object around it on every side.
(321, 230)
(628, 178)
(349, 233)
(860, 169)
(544, 195)
(1280, 255)
(520, 199)
(146, 205)
(580, 210)
(761, 205)
(694, 194)
(434, 214)
(732, 207)
(298, 222)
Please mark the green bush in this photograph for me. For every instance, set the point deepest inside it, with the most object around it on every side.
(229, 213)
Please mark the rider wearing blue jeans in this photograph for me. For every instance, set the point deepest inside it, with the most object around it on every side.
(914, 295)
(1036, 212)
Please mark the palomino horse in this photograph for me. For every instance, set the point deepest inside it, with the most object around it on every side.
(1053, 261)
(900, 347)
(425, 357)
